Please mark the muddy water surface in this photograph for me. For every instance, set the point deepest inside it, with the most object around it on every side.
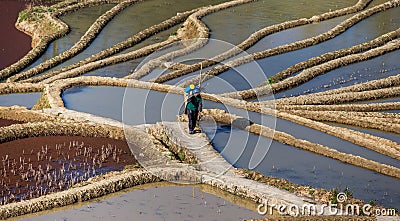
(35, 166)
(78, 22)
(15, 44)
(5, 123)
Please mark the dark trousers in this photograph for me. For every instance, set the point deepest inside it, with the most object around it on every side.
(192, 119)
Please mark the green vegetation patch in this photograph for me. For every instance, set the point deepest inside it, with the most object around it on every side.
(33, 13)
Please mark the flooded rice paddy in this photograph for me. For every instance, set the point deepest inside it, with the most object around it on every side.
(27, 99)
(32, 167)
(69, 155)
(159, 201)
(307, 168)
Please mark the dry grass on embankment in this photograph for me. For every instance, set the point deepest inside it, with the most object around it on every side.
(258, 35)
(83, 43)
(192, 28)
(344, 107)
(103, 58)
(373, 121)
(339, 29)
(44, 27)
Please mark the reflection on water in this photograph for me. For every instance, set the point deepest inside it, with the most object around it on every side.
(361, 32)
(295, 34)
(139, 106)
(384, 22)
(134, 19)
(350, 75)
(118, 70)
(306, 133)
(123, 69)
(305, 168)
(27, 100)
(239, 22)
(78, 22)
(157, 203)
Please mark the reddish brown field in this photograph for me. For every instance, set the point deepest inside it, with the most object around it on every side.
(4, 123)
(32, 167)
(15, 44)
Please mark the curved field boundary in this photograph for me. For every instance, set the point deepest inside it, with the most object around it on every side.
(138, 37)
(41, 42)
(53, 93)
(384, 116)
(285, 138)
(69, 6)
(84, 42)
(318, 70)
(54, 90)
(22, 114)
(395, 118)
(337, 30)
(48, 128)
(381, 40)
(343, 107)
(257, 36)
(10, 88)
(378, 144)
(112, 184)
(109, 61)
(383, 124)
(387, 82)
(366, 140)
(193, 27)
(367, 86)
(345, 97)
(319, 60)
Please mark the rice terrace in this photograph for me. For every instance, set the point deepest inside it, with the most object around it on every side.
(297, 115)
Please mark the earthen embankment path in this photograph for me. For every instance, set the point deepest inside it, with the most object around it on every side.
(168, 140)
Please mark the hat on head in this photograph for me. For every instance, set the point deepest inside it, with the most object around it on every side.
(196, 91)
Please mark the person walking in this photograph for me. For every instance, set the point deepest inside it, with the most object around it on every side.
(194, 106)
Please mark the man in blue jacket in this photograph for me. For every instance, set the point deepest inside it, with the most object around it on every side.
(193, 107)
